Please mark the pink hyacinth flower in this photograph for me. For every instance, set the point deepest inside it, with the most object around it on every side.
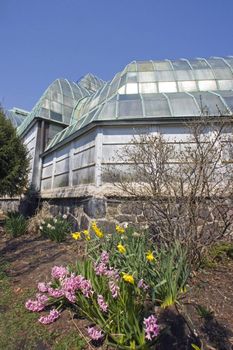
(151, 327)
(53, 315)
(94, 333)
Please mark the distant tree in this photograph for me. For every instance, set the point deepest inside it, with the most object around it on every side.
(14, 161)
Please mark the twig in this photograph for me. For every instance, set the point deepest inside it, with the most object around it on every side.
(81, 333)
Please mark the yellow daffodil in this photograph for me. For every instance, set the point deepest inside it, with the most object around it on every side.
(120, 229)
(128, 278)
(76, 235)
(150, 256)
(87, 235)
(121, 248)
(97, 231)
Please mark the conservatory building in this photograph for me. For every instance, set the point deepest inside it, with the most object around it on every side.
(75, 128)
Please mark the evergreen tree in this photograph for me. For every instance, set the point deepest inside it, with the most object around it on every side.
(14, 161)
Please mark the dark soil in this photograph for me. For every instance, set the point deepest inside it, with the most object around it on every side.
(203, 317)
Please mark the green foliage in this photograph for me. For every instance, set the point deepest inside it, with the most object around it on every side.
(123, 323)
(14, 160)
(216, 253)
(204, 312)
(15, 224)
(166, 271)
(55, 229)
(169, 277)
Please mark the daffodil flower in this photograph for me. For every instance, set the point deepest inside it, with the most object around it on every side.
(76, 235)
(121, 248)
(128, 278)
(150, 256)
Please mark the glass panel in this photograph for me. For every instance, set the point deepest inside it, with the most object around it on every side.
(67, 111)
(209, 103)
(132, 67)
(104, 93)
(114, 86)
(132, 78)
(61, 180)
(225, 84)
(146, 88)
(202, 74)
(108, 111)
(68, 101)
(46, 184)
(131, 88)
(156, 105)
(145, 66)
(56, 107)
(46, 103)
(184, 75)
(167, 87)
(62, 166)
(56, 116)
(181, 65)
(223, 73)
(44, 113)
(89, 118)
(162, 65)
(146, 76)
(65, 88)
(198, 64)
(123, 80)
(206, 85)
(228, 98)
(164, 75)
(216, 63)
(183, 105)
(229, 60)
(130, 107)
(121, 91)
(93, 102)
(187, 86)
(84, 176)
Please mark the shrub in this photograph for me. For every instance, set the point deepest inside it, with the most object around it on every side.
(14, 162)
(55, 229)
(182, 187)
(16, 224)
(42, 214)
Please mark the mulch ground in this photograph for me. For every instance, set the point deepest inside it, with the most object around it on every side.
(206, 310)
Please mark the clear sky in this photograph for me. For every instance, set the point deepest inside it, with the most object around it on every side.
(42, 40)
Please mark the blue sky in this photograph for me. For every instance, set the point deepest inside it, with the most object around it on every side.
(42, 40)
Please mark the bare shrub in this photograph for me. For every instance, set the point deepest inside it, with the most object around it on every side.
(42, 214)
(185, 187)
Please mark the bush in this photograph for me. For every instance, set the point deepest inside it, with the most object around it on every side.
(16, 224)
(42, 214)
(55, 229)
(14, 162)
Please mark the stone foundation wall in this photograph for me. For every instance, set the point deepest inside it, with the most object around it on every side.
(107, 212)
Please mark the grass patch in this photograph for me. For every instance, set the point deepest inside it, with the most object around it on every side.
(19, 329)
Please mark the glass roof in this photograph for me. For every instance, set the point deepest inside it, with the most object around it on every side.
(91, 82)
(142, 90)
(57, 103)
(16, 116)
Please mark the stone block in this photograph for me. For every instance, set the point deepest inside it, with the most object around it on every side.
(126, 218)
(131, 207)
(95, 207)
